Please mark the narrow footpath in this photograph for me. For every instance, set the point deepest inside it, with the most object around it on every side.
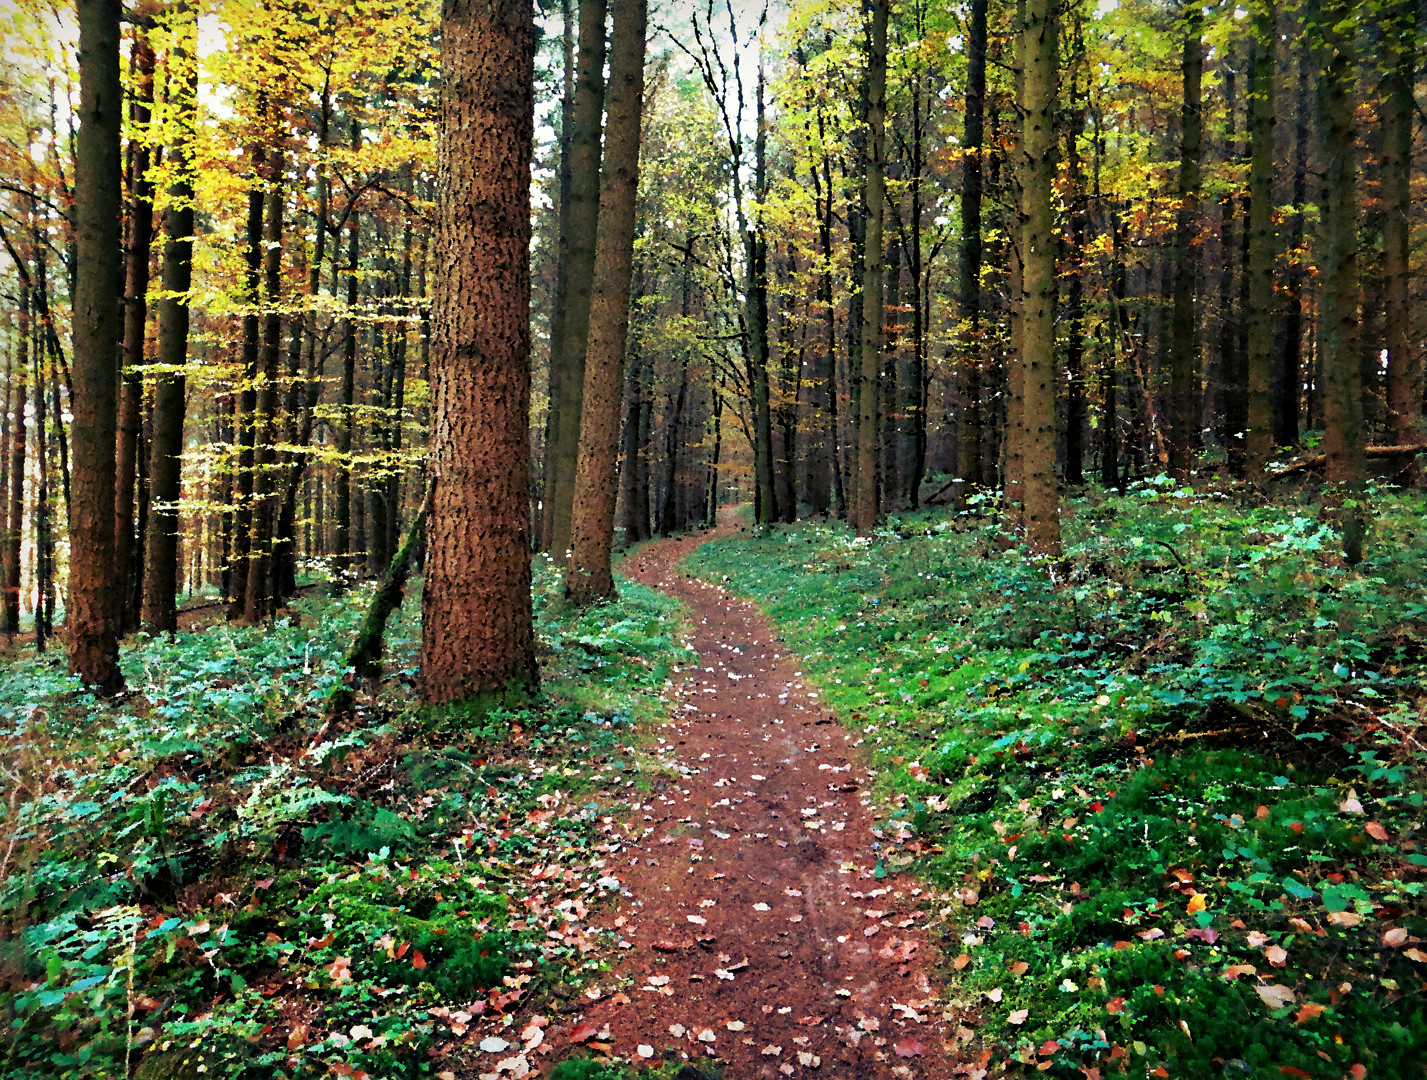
(761, 936)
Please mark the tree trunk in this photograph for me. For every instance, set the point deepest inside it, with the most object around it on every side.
(1287, 415)
(160, 610)
(1397, 115)
(1075, 298)
(247, 398)
(257, 601)
(756, 254)
(635, 529)
(14, 537)
(94, 602)
(141, 236)
(569, 327)
(477, 631)
(344, 562)
(588, 576)
(874, 197)
(1258, 446)
(1037, 359)
(1182, 413)
(968, 374)
(1343, 439)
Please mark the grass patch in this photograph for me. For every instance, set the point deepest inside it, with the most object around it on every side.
(1173, 782)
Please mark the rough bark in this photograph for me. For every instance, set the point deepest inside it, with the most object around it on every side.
(1037, 359)
(344, 561)
(160, 608)
(588, 576)
(478, 639)
(569, 329)
(1182, 412)
(94, 587)
(14, 537)
(1287, 413)
(756, 317)
(874, 197)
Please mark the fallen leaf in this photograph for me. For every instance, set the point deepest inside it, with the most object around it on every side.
(1233, 971)
(697, 920)
(1196, 903)
(909, 1048)
(1277, 955)
(1415, 954)
(1344, 918)
(1018, 1017)
(1257, 939)
(583, 1032)
(1310, 1010)
(1394, 937)
(1115, 1006)
(1275, 995)
(644, 1050)
(1376, 831)
(494, 1045)
(961, 961)
(677, 1030)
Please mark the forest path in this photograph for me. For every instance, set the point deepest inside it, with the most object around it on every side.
(754, 928)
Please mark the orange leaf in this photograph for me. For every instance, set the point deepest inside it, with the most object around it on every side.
(1309, 1011)
(417, 960)
(1115, 1006)
(961, 961)
(1376, 831)
(1196, 903)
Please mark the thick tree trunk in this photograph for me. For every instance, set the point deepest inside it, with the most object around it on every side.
(1037, 359)
(870, 362)
(477, 631)
(140, 240)
(1344, 438)
(1397, 116)
(1258, 446)
(1182, 413)
(94, 602)
(160, 608)
(569, 331)
(588, 576)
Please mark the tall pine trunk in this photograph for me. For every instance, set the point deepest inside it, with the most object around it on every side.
(1182, 413)
(1258, 446)
(1344, 438)
(569, 329)
(588, 575)
(477, 627)
(1398, 108)
(140, 241)
(94, 603)
(874, 189)
(969, 447)
(1041, 497)
(160, 608)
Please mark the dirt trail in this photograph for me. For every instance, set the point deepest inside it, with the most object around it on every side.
(753, 924)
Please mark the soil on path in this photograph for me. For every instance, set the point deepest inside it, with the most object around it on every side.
(759, 938)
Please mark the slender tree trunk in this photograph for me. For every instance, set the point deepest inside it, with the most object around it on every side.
(874, 198)
(44, 528)
(1075, 299)
(257, 602)
(588, 575)
(344, 559)
(477, 630)
(1232, 374)
(247, 398)
(160, 609)
(1183, 412)
(968, 374)
(1262, 241)
(635, 530)
(141, 235)
(94, 602)
(579, 222)
(14, 537)
(756, 254)
(1397, 116)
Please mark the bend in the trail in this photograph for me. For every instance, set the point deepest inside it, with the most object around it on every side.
(760, 935)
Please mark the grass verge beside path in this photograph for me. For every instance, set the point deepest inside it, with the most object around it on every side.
(204, 874)
(1174, 781)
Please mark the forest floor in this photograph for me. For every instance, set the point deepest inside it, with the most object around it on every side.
(758, 925)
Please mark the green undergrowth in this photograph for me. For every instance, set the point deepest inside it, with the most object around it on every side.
(1174, 781)
(205, 877)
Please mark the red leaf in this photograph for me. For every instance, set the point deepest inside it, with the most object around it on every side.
(401, 949)
(909, 1048)
(583, 1032)
(1115, 1006)
(417, 960)
(1376, 831)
